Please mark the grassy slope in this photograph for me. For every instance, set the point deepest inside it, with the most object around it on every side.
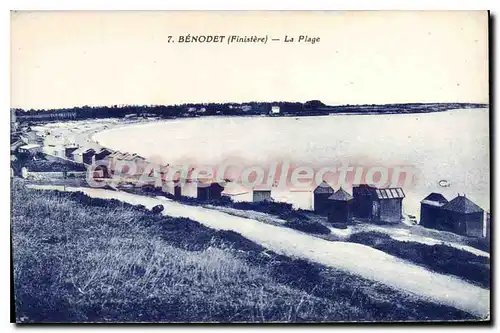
(82, 259)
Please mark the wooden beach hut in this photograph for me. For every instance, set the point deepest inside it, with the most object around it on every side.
(383, 205)
(463, 217)
(431, 212)
(320, 198)
(340, 207)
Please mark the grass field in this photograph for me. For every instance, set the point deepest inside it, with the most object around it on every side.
(78, 259)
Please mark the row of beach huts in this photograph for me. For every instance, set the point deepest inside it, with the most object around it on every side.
(377, 205)
(385, 205)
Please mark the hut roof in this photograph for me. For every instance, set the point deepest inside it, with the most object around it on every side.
(434, 199)
(129, 157)
(78, 151)
(233, 188)
(115, 154)
(261, 188)
(381, 193)
(104, 150)
(340, 195)
(30, 146)
(462, 205)
(90, 150)
(323, 188)
(390, 193)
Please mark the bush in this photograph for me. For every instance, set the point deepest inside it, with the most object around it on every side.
(157, 209)
(53, 166)
(480, 243)
(440, 258)
(308, 226)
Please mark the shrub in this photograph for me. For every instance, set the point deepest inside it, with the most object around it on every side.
(308, 226)
(440, 258)
(157, 209)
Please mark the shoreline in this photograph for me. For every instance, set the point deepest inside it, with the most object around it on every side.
(158, 121)
(115, 124)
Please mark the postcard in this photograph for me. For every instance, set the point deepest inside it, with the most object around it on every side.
(250, 166)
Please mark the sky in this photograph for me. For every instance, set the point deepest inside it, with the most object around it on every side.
(65, 59)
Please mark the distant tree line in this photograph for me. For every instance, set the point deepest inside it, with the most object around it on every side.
(313, 107)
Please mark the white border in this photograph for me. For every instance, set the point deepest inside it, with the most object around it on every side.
(8, 5)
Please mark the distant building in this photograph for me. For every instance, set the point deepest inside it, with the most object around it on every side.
(46, 115)
(378, 205)
(431, 212)
(274, 110)
(320, 198)
(464, 217)
(30, 149)
(340, 207)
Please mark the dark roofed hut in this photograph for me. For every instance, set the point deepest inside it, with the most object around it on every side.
(261, 194)
(87, 156)
(321, 195)
(463, 217)
(378, 205)
(209, 190)
(102, 154)
(431, 214)
(340, 207)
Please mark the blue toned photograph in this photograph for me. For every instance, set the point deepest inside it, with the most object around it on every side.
(250, 167)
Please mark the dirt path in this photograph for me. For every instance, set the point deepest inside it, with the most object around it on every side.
(354, 258)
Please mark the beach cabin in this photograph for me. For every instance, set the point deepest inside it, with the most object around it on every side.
(173, 188)
(275, 110)
(202, 189)
(113, 158)
(87, 156)
(463, 217)
(431, 212)
(30, 149)
(77, 155)
(320, 198)
(69, 150)
(378, 205)
(261, 194)
(121, 163)
(340, 207)
(102, 154)
(237, 193)
(209, 190)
